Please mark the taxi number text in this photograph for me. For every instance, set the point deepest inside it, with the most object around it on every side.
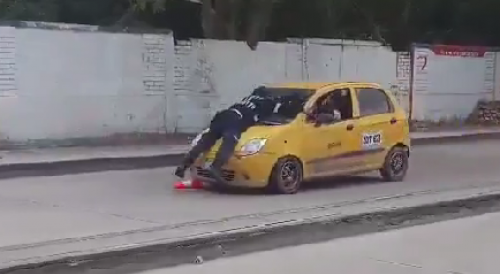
(372, 139)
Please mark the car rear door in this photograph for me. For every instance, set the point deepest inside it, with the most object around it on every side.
(376, 121)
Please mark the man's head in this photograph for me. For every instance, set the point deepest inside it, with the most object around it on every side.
(260, 91)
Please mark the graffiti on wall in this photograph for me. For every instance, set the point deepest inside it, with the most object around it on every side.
(401, 89)
(8, 81)
(154, 62)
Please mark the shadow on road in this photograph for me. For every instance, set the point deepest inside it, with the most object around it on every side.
(342, 182)
(316, 185)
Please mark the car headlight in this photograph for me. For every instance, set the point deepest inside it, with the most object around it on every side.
(198, 137)
(253, 146)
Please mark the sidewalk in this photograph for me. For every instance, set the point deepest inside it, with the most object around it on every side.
(463, 246)
(72, 160)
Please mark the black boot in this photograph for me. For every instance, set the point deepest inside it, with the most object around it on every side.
(180, 171)
(186, 163)
(216, 173)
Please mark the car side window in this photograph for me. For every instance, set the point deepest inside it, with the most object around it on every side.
(337, 100)
(373, 101)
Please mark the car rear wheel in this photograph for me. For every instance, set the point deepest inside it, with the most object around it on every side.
(395, 165)
(286, 176)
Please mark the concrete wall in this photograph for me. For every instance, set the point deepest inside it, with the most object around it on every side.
(210, 74)
(450, 80)
(73, 84)
(64, 81)
(68, 82)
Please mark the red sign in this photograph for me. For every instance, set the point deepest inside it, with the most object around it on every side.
(460, 51)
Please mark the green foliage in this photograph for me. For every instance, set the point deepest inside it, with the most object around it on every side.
(154, 5)
(29, 10)
(397, 22)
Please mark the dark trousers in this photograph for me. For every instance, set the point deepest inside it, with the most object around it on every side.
(226, 125)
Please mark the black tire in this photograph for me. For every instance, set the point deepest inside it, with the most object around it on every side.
(277, 182)
(395, 165)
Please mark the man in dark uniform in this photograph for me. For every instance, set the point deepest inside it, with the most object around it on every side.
(229, 124)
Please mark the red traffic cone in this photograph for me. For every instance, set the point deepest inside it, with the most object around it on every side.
(189, 184)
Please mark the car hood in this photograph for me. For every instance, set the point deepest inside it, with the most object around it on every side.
(264, 132)
(254, 132)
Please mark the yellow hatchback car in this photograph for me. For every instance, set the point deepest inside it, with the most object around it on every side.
(337, 129)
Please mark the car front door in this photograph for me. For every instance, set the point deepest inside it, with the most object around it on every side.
(318, 142)
(329, 144)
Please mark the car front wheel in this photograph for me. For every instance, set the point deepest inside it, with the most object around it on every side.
(395, 165)
(286, 176)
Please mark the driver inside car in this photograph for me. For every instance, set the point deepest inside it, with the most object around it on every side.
(328, 106)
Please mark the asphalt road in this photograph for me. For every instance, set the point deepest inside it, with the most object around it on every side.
(468, 245)
(46, 208)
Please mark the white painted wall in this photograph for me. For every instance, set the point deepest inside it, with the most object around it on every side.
(449, 86)
(212, 74)
(60, 84)
(401, 88)
(496, 94)
(77, 84)
(86, 84)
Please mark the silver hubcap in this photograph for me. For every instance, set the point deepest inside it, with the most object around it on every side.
(289, 175)
(397, 163)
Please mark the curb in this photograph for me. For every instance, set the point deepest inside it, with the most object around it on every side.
(70, 167)
(296, 232)
(459, 138)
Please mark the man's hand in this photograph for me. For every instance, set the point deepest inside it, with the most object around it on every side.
(336, 115)
(277, 107)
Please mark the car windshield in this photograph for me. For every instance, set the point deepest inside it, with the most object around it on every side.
(292, 100)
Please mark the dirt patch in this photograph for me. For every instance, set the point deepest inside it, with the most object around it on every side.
(427, 126)
(486, 115)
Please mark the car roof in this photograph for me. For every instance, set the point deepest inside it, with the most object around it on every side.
(320, 85)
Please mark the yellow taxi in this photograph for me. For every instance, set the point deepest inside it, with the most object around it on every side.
(339, 129)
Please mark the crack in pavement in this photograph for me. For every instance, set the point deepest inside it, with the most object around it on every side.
(396, 263)
(403, 264)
